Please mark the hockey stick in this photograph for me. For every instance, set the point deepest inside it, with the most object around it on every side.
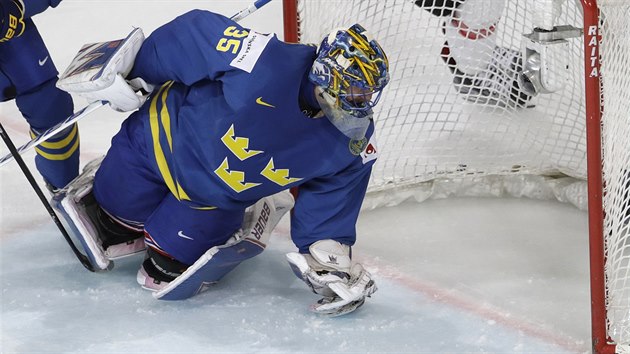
(7, 140)
(249, 10)
(54, 130)
(95, 105)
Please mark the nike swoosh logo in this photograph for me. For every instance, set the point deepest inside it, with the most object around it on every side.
(262, 103)
(43, 61)
(181, 234)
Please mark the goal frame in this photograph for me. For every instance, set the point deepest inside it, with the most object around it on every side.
(601, 342)
(593, 106)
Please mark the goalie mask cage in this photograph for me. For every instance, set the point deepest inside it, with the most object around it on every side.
(438, 137)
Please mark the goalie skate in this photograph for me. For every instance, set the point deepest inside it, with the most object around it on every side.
(80, 211)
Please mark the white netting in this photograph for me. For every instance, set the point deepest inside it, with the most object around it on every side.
(428, 130)
(460, 122)
(615, 48)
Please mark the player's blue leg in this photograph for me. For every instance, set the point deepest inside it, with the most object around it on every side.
(57, 158)
(26, 62)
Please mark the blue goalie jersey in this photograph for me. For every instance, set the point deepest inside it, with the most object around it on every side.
(226, 128)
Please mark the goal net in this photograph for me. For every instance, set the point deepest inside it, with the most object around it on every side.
(487, 97)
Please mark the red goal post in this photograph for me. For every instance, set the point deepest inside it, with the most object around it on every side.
(445, 138)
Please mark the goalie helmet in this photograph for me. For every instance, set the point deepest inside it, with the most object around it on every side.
(350, 72)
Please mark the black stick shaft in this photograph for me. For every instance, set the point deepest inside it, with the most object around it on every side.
(29, 176)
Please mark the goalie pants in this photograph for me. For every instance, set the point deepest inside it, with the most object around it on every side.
(28, 75)
(126, 186)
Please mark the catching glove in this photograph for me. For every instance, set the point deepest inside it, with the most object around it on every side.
(328, 271)
(98, 73)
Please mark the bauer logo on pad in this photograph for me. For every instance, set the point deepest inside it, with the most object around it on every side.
(251, 48)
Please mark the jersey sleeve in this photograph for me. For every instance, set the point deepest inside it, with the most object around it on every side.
(34, 7)
(328, 207)
(195, 46)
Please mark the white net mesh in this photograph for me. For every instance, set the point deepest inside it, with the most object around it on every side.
(615, 47)
(428, 129)
(457, 118)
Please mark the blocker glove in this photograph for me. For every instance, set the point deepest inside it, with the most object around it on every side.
(328, 271)
(11, 19)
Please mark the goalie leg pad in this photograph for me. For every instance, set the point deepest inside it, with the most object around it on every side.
(214, 264)
(100, 237)
(263, 217)
(211, 267)
(66, 201)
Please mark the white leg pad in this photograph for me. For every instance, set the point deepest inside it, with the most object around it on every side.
(66, 202)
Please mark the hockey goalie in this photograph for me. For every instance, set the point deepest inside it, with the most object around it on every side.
(223, 126)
